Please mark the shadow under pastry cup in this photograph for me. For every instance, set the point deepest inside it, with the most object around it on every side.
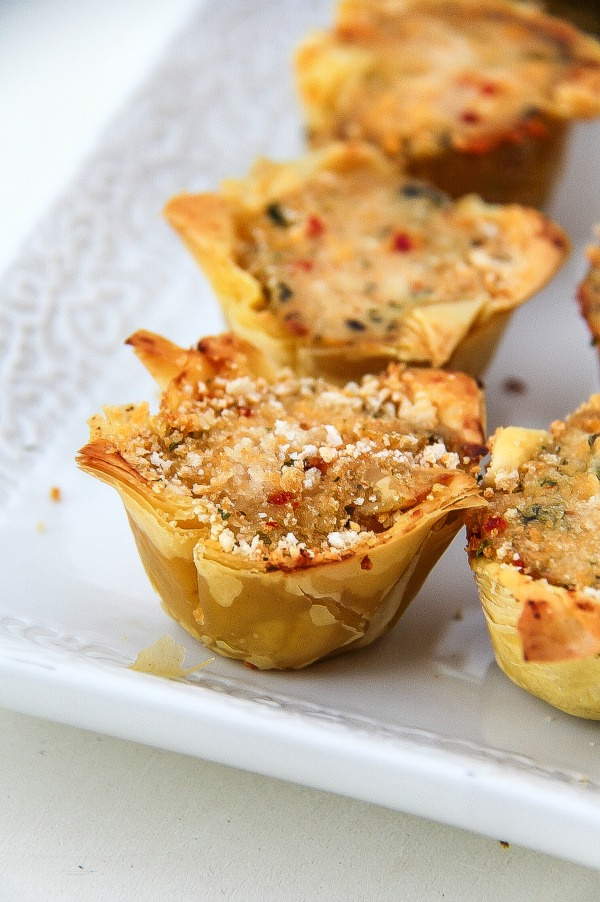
(283, 520)
(535, 555)
(335, 263)
(475, 96)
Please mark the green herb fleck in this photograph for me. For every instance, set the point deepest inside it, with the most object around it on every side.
(355, 325)
(550, 514)
(284, 292)
(374, 315)
(481, 548)
(277, 216)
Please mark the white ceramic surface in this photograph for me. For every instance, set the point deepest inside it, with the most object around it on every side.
(423, 721)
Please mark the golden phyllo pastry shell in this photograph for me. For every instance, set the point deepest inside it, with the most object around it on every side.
(290, 607)
(589, 294)
(334, 263)
(545, 635)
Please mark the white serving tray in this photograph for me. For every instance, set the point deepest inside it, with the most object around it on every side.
(423, 721)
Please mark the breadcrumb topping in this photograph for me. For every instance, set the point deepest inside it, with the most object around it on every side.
(282, 471)
(544, 518)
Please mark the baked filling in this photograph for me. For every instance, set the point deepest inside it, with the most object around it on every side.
(420, 77)
(348, 256)
(544, 514)
(535, 556)
(337, 253)
(291, 471)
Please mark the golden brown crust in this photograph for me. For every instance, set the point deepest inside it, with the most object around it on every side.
(335, 264)
(551, 630)
(589, 294)
(562, 660)
(251, 559)
(535, 555)
(487, 88)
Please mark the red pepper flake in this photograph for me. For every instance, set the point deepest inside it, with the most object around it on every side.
(402, 242)
(296, 327)
(532, 127)
(519, 563)
(316, 462)
(537, 129)
(494, 524)
(490, 88)
(469, 117)
(280, 497)
(304, 265)
(245, 412)
(272, 523)
(473, 82)
(366, 563)
(314, 226)
(482, 144)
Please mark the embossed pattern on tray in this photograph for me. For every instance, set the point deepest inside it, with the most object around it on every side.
(48, 641)
(100, 258)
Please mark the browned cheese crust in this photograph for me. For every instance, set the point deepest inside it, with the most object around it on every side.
(474, 95)
(336, 263)
(276, 515)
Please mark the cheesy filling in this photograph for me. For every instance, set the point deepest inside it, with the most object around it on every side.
(429, 76)
(344, 258)
(544, 517)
